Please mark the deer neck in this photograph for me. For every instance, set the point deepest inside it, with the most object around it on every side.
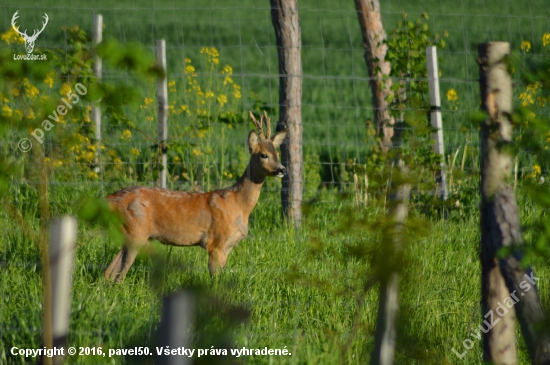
(248, 189)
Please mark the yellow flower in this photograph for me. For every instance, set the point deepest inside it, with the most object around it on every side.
(57, 163)
(228, 70)
(541, 101)
(177, 159)
(147, 102)
(11, 36)
(150, 119)
(222, 99)
(30, 114)
(536, 170)
(187, 60)
(6, 111)
(127, 134)
(135, 152)
(92, 176)
(209, 94)
(196, 152)
(118, 163)
(47, 160)
(30, 90)
(15, 91)
(210, 51)
(172, 86)
(546, 39)
(18, 114)
(533, 87)
(452, 95)
(189, 70)
(65, 88)
(227, 80)
(49, 79)
(237, 94)
(526, 99)
(525, 46)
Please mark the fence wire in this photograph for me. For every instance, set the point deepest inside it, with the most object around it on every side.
(222, 58)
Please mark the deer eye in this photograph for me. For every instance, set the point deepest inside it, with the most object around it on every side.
(263, 155)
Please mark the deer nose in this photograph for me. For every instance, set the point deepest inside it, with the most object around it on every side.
(280, 172)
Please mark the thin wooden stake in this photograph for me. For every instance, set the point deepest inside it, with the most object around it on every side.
(97, 37)
(175, 326)
(162, 95)
(62, 250)
(435, 117)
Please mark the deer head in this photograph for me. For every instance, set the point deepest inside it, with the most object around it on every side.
(29, 41)
(264, 159)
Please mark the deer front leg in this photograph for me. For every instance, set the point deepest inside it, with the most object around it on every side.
(216, 260)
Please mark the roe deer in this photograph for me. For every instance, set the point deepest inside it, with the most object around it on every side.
(215, 220)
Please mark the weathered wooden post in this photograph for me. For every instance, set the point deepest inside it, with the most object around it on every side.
(436, 122)
(175, 326)
(162, 95)
(286, 21)
(500, 224)
(97, 37)
(374, 35)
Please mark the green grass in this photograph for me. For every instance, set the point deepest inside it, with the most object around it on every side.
(439, 298)
(440, 290)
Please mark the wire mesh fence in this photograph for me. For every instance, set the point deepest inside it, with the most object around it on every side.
(221, 61)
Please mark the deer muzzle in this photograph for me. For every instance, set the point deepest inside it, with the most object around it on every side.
(280, 171)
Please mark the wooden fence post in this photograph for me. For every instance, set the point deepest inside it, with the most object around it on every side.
(286, 21)
(374, 35)
(175, 326)
(500, 224)
(97, 37)
(162, 96)
(435, 118)
(63, 233)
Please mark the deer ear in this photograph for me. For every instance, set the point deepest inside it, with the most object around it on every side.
(253, 140)
(279, 138)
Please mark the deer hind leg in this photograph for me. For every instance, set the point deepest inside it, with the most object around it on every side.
(124, 259)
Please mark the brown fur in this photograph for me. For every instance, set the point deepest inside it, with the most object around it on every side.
(215, 220)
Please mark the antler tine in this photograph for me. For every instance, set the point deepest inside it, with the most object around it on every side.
(15, 26)
(257, 124)
(267, 125)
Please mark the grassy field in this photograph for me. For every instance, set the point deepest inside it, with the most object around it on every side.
(299, 288)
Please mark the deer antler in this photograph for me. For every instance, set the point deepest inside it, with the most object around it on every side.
(258, 124)
(267, 125)
(16, 27)
(35, 34)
